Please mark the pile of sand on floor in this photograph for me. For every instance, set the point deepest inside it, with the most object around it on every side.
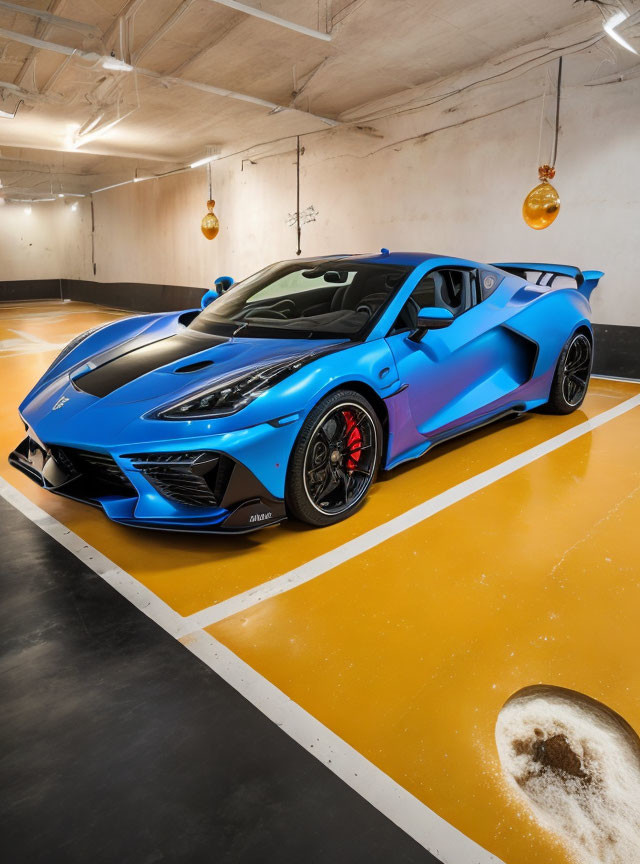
(576, 764)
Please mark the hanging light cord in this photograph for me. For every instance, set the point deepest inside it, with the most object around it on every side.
(209, 170)
(298, 226)
(557, 128)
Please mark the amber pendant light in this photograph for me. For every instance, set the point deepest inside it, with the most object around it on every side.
(210, 224)
(542, 204)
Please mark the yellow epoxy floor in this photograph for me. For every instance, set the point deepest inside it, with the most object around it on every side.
(192, 572)
(409, 651)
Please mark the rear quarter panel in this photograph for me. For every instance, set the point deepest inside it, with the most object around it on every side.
(548, 318)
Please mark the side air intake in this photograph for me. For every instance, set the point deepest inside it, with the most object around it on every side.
(197, 479)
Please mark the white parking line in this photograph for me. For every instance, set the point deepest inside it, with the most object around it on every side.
(388, 797)
(396, 803)
(614, 378)
(401, 807)
(141, 597)
(378, 535)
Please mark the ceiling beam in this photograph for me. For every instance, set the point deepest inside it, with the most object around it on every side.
(273, 19)
(28, 94)
(221, 34)
(129, 9)
(94, 58)
(162, 29)
(43, 30)
(234, 94)
(54, 20)
(14, 36)
(513, 63)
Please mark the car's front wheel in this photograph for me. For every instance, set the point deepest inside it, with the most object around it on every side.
(334, 460)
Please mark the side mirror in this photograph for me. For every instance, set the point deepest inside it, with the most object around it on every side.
(208, 297)
(431, 318)
(223, 283)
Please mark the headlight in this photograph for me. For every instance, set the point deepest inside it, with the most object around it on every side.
(233, 393)
(73, 344)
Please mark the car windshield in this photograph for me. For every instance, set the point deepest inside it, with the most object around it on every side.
(338, 298)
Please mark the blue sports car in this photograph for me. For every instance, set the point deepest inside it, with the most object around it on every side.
(288, 391)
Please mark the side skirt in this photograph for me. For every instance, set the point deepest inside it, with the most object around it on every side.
(513, 411)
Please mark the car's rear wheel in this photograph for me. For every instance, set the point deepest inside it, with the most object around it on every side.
(572, 375)
(334, 460)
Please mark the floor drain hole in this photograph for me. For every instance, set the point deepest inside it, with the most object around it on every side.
(576, 764)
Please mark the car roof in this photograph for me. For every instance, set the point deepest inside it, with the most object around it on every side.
(403, 259)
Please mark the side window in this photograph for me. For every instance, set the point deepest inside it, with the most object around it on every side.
(424, 294)
(456, 290)
(452, 290)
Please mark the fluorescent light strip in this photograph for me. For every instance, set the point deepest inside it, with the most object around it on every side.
(204, 161)
(158, 176)
(84, 130)
(28, 200)
(81, 140)
(609, 28)
(116, 64)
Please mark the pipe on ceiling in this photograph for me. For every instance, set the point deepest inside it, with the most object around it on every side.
(94, 58)
(273, 19)
(68, 23)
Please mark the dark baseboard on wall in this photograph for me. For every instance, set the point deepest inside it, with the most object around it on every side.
(617, 348)
(133, 296)
(30, 289)
(136, 296)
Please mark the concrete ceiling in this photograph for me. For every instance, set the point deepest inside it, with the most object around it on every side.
(377, 48)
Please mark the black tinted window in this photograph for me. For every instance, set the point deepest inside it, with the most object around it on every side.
(425, 292)
(444, 289)
(316, 299)
(452, 288)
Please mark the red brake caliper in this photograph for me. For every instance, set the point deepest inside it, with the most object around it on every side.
(354, 440)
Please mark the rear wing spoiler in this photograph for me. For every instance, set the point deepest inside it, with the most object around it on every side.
(585, 281)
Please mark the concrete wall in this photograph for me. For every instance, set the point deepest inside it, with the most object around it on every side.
(457, 190)
(51, 242)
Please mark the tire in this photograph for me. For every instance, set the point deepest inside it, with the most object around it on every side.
(571, 378)
(335, 459)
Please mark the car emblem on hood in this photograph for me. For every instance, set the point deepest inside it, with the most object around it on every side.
(60, 403)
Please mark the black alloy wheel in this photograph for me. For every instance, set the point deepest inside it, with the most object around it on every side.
(335, 459)
(571, 378)
(577, 370)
